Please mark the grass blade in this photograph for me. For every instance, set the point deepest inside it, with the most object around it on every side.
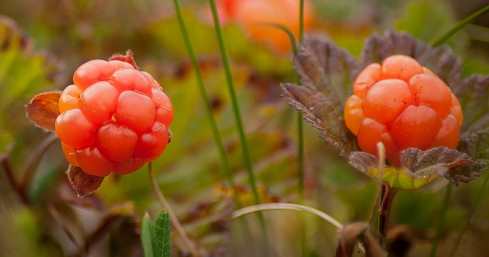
(287, 206)
(162, 236)
(234, 101)
(146, 236)
(443, 38)
(227, 174)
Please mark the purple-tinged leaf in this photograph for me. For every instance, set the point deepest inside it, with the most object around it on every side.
(440, 60)
(323, 66)
(323, 114)
(453, 165)
(473, 94)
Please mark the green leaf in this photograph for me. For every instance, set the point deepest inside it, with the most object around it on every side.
(156, 236)
(146, 236)
(162, 236)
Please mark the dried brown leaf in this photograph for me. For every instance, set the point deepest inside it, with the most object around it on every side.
(42, 110)
(81, 183)
(358, 232)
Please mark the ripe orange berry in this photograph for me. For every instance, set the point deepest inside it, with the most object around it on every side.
(402, 104)
(114, 118)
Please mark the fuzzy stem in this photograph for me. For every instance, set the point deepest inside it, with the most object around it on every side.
(385, 205)
(227, 173)
(441, 220)
(443, 38)
(173, 217)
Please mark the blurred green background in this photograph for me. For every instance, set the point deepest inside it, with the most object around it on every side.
(43, 41)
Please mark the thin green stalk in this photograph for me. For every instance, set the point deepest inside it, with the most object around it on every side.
(441, 220)
(300, 138)
(300, 122)
(234, 102)
(227, 174)
(237, 116)
(443, 38)
(480, 194)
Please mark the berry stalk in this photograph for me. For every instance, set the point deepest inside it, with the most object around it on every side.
(173, 217)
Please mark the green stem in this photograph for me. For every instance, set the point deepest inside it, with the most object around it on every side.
(237, 116)
(300, 137)
(165, 205)
(227, 174)
(443, 38)
(301, 20)
(441, 220)
(300, 124)
(234, 102)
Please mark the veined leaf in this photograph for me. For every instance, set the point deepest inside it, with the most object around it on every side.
(146, 236)
(156, 236)
(326, 73)
(420, 168)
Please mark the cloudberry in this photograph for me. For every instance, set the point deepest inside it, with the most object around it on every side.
(402, 104)
(114, 118)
